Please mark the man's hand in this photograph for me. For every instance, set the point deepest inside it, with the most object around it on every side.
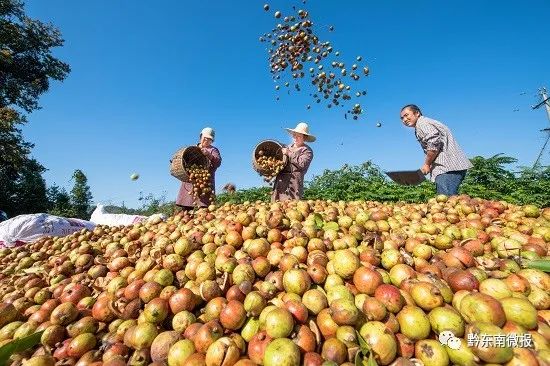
(284, 151)
(426, 169)
(431, 155)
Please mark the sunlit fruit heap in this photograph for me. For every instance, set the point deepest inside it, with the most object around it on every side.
(200, 177)
(293, 283)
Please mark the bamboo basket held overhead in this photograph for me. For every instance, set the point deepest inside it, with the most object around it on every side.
(184, 158)
(270, 148)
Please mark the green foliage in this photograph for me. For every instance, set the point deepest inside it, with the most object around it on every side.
(26, 61)
(532, 186)
(489, 179)
(14, 151)
(363, 182)
(113, 209)
(26, 67)
(151, 205)
(25, 191)
(14, 159)
(30, 189)
(243, 195)
(81, 197)
(59, 202)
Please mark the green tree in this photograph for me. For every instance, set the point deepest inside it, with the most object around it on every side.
(533, 186)
(24, 193)
(489, 178)
(81, 197)
(114, 209)
(26, 61)
(14, 157)
(26, 67)
(30, 189)
(59, 202)
(151, 204)
(14, 151)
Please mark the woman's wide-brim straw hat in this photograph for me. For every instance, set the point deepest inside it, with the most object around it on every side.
(303, 129)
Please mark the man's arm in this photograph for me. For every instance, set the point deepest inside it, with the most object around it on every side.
(431, 155)
(432, 139)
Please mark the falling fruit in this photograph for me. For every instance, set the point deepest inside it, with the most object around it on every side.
(134, 176)
(200, 178)
(266, 7)
(294, 47)
(378, 124)
(271, 166)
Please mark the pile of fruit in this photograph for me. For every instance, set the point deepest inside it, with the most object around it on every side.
(201, 179)
(270, 166)
(288, 284)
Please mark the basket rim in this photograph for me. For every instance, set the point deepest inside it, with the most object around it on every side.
(179, 169)
(255, 157)
(255, 151)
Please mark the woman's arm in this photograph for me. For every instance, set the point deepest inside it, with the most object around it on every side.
(301, 159)
(214, 156)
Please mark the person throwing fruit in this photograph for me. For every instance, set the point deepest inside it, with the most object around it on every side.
(444, 159)
(289, 183)
(187, 199)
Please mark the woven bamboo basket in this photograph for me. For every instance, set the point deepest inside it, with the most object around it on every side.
(269, 148)
(185, 157)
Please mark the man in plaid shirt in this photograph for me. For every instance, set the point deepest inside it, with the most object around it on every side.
(445, 160)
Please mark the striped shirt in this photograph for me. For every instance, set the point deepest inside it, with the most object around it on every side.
(434, 135)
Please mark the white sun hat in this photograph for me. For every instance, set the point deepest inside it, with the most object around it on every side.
(303, 128)
(208, 132)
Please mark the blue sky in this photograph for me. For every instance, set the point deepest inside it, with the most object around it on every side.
(148, 76)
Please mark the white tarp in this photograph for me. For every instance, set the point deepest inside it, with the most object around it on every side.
(101, 217)
(24, 229)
